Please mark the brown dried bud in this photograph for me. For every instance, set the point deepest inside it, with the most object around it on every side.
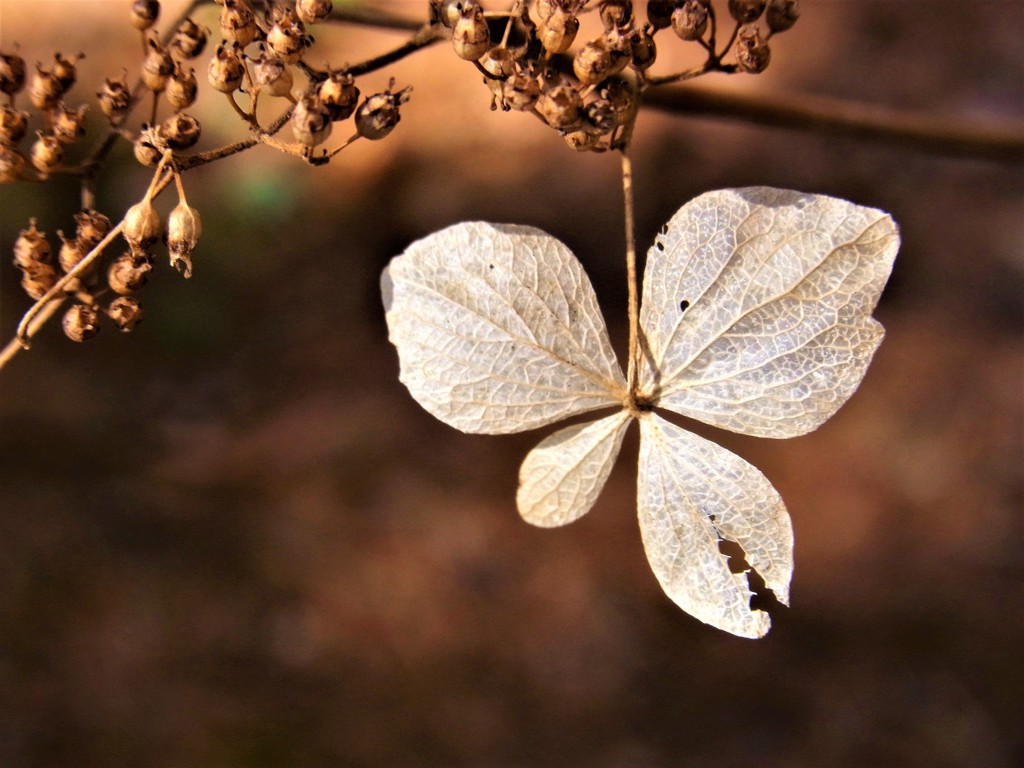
(46, 153)
(11, 163)
(189, 39)
(149, 146)
(142, 225)
(752, 51)
(782, 14)
(81, 322)
(311, 121)
(38, 279)
(561, 106)
(157, 66)
(690, 19)
(237, 22)
(144, 13)
(182, 88)
(339, 94)
(31, 247)
(226, 69)
(520, 91)
(616, 14)
(115, 100)
(659, 13)
(273, 75)
(287, 38)
(746, 11)
(378, 115)
(128, 273)
(65, 70)
(12, 73)
(180, 131)
(184, 226)
(13, 125)
(92, 227)
(125, 312)
(592, 62)
(45, 90)
(312, 11)
(558, 31)
(471, 38)
(69, 124)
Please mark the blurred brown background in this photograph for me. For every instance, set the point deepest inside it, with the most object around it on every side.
(232, 539)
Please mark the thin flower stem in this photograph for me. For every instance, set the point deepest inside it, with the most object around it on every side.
(634, 300)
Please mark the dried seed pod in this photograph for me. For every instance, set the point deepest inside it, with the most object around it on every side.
(180, 131)
(91, 227)
(12, 73)
(66, 70)
(46, 153)
(128, 273)
(782, 14)
(600, 116)
(450, 11)
(68, 124)
(287, 38)
(592, 63)
(312, 11)
(273, 75)
(339, 94)
(11, 163)
(125, 312)
(751, 51)
(471, 38)
(616, 14)
(378, 115)
(189, 39)
(746, 11)
(659, 13)
(184, 226)
(182, 87)
(226, 69)
(237, 22)
(13, 125)
(38, 279)
(31, 247)
(44, 91)
(144, 13)
(142, 226)
(81, 322)
(499, 61)
(581, 140)
(643, 49)
(157, 66)
(71, 252)
(690, 20)
(561, 106)
(149, 146)
(115, 100)
(558, 31)
(311, 121)
(520, 91)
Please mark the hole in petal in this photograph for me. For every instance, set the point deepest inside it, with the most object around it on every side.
(764, 599)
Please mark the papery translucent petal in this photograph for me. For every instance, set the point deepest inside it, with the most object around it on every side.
(692, 494)
(498, 329)
(561, 478)
(757, 306)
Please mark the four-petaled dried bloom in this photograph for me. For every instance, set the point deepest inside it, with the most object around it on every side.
(115, 100)
(182, 88)
(125, 312)
(782, 14)
(31, 247)
(47, 153)
(311, 121)
(378, 115)
(561, 107)
(189, 39)
(180, 131)
(142, 226)
(471, 38)
(312, 11)
(127, 273)
(287, 38)
(157, 67)
(690, 19)
(184, 226)
(13, 125)
(12, 73)
(237, 22)
(752, 51)
(273, 75)
(69, 124)
(81, 322)
(226, 69)
(746, 11)
(339, 94)
(144, 13)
